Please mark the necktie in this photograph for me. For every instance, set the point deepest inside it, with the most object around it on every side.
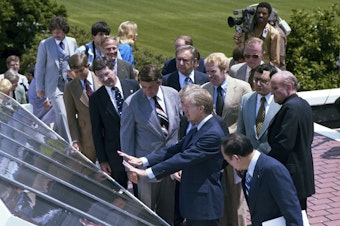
(247, 183)
(188, 81)
(62, 46)
(88, 87)
(219, 101)
(251, 78)
(119, 100)
(260, 116)
(163, 118)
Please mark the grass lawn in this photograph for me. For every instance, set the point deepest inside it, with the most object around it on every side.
(160, 22)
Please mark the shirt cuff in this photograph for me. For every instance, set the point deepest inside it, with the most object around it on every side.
(150, 173)
(145, 162)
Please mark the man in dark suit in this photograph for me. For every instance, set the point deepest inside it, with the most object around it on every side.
(291, 133)
(123, 69)
(199, 157)
(105, 112)
(267, 185)
(144, 130)
(185, 74)
(170, 65)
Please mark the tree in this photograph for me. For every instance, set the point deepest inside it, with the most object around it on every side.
(313, 46)
(20, 21)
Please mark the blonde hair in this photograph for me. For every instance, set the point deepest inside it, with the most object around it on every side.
(127, 32)
(5, 86)
(220, 59)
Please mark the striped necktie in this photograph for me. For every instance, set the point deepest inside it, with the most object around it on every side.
(248, 183)
(163, 118)
(88, 87)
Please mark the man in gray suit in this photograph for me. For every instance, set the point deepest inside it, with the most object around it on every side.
(227, 93)
(253, 55)
(150, 122)
(251, 105)
(51, 71)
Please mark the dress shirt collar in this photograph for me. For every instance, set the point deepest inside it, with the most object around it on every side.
(253, 162)
(223, 85)
(183, 77)
(118, 85)
(199, 126)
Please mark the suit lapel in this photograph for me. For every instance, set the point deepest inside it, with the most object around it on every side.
(174, 80)
(255, 184)
(107, 103)
(80, 92)
(149, 114)
(52, 45)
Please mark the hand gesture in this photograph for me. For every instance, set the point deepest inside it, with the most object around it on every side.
(131, 159)
(131, 169)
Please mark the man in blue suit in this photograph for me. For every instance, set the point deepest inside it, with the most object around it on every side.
(267, 185)
(185, 74)
(199, 157)
(51, 71)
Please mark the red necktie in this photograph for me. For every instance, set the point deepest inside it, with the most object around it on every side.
(88, 87)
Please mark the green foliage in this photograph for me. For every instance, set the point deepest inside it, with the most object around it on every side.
(144, 56)
(21, 20)
(313, 46)
(29, 57)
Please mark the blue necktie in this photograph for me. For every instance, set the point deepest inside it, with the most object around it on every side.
(188, 81)
(248, 183)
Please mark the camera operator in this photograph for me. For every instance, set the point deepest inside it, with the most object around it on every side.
(263, 30)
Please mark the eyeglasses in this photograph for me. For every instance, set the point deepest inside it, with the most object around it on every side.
(252, 56)
(261, 80)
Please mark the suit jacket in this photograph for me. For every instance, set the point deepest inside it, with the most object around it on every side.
(124, 70)
(290, 136)
(170, 66)
(239, 71)
(172, 79)
(78, 115)
(47, 67)
(141, 132)
(235, 90)
(246, 122)
(272, 193)
(200, 159)
(106, 124)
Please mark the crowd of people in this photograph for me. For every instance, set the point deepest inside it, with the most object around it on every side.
(200, 140)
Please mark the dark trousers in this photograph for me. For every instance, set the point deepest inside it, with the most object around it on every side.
(202, 222)
(303, 204)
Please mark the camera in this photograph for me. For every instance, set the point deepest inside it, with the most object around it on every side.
(247, 18)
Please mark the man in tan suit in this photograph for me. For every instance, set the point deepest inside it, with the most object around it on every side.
(227, 93)
(76, 97)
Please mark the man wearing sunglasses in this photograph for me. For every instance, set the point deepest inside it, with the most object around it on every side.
(253, 55)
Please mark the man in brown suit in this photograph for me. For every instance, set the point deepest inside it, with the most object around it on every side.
(76, 97)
